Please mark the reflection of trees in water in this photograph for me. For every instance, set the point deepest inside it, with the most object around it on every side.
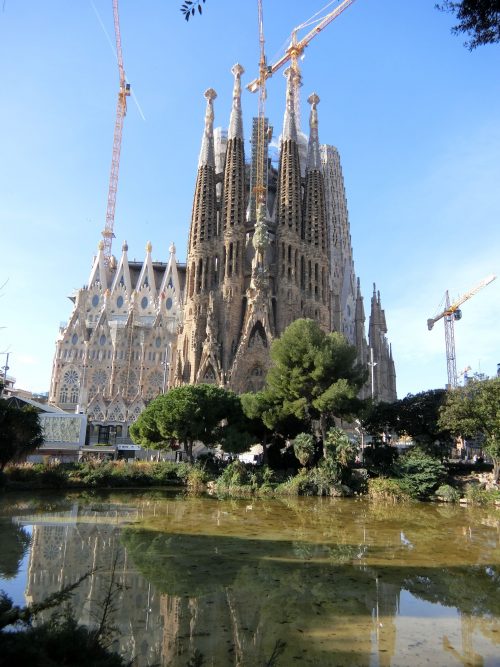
(318, 590)
(14, 546)
(229, 578)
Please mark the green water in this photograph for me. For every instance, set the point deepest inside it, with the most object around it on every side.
(316, 581)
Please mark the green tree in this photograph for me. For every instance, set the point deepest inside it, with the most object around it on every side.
(418, 473)
(20, 433)
(478, 18)
(339, 448)
(203, 412)
(474, 411)
(304, 448)
(416, 415)
(314, 376)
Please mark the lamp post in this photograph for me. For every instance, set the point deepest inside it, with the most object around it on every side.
(359, 429)
(166, 365)
(372, 365)
(5, 369)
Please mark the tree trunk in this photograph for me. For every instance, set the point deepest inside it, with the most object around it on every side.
(322, 428)
(189, 451)
(264, 450)
(496, 469)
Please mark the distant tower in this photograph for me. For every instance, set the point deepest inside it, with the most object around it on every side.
(384, 371)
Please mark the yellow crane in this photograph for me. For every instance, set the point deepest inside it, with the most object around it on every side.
(296, 47)
(292, 54)
(121, 110)
(451, 313)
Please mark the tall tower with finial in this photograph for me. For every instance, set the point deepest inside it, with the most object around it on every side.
(203, 259)
(261, 256)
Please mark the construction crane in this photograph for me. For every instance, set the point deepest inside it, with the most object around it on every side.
(295, 49)
(292, 54)
(121, 111)
(451, 313)
(260, 184)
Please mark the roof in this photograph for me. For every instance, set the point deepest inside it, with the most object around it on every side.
(19, 402)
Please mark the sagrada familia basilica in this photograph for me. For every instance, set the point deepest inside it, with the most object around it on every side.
(252, 268)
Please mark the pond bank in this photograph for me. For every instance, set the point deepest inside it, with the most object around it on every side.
(239, 480)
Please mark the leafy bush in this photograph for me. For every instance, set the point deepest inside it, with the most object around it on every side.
(196, 479)
(326, 477)
(236, 479)
(418, 473)
(168, 472)
(478, 496)
(24, 472)
(339, 448)
(304, 448)
(234, 474)
(299, 485)
(447, 494)
(385, 489)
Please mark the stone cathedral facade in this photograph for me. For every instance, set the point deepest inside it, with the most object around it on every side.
(113, 355)
(253, 267)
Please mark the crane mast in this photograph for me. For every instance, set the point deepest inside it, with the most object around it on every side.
(121, 111)
(451, 313)
(260, 181)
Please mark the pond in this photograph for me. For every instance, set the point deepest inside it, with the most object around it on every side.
(306, 581)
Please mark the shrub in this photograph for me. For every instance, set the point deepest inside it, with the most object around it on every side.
(386, 489)
(196, 479)
(478, 496)
(24, 472)
(304, 448)
(447, 494)
(326, 477)
(168, 472)
(299, 485)
(339, 448)
(418, 473)
(234, 474)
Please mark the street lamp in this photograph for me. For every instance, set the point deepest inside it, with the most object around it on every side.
(372, 365)
(166, 365)
(5, 369)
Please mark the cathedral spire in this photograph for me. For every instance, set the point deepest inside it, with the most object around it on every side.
(236, 122)
(98, 273)
(207, 154)
(313, 155)
(289, 122)
(122, 275)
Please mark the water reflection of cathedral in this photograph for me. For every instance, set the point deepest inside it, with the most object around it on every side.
(67, 546)
(334, 601)
(228, 624)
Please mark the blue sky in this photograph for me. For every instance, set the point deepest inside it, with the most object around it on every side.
(415, 116)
